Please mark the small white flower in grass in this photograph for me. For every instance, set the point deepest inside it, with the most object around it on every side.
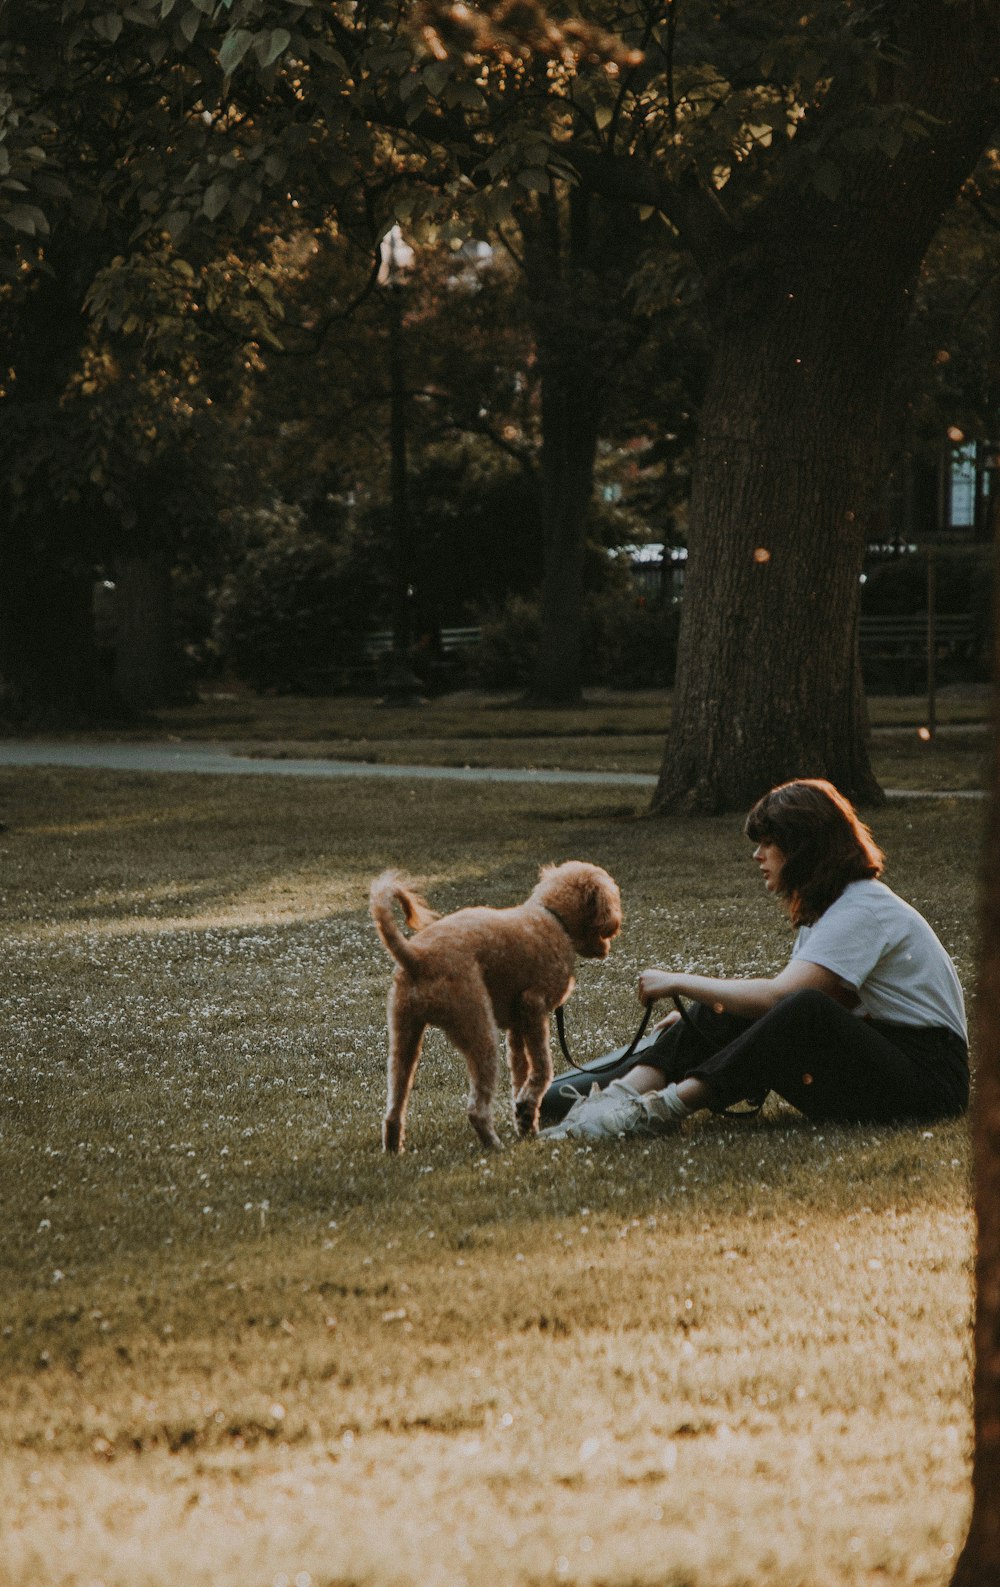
(278, 1413)
(506, 1419)
(58, 1276)
(562, 1565)
(589, 1448)
(46, 1223)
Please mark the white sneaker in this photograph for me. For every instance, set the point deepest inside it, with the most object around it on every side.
(616, 1111)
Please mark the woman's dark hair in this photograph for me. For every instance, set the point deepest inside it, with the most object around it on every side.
(823, 840)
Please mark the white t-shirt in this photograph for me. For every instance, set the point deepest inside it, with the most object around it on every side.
(885, 951)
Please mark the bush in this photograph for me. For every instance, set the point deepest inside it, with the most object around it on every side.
(628, 643)
(291, 616)
(506, 656)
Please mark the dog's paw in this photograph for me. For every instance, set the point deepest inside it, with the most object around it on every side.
(526, 1118)
(392, 1137)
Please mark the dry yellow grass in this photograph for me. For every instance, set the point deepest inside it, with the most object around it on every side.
(241, 1347)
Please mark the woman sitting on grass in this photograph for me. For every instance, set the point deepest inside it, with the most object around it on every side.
(866, 1022)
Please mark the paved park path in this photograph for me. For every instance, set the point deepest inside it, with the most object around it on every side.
(233, 761)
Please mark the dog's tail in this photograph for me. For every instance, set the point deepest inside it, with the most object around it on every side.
(387, 889)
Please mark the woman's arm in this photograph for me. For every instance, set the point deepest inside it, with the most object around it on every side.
(751, 998)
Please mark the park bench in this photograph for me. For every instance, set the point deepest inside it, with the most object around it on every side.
(894, 648)
(438, 669)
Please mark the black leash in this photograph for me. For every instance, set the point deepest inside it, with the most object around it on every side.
(601, 1065)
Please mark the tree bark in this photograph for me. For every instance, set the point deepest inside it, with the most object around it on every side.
(147, 670)
(49, 670)
(578, 256)
(786, 471)
(569, 445)
(979, 1562)
(809, 305)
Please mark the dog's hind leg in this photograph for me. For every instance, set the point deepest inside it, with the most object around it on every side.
(406, 1035)
(474, 1033)
(533, 1074)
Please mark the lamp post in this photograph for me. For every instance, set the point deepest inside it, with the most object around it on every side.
(404, 687)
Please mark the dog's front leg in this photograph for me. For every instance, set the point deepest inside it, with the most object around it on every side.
(534, 1065)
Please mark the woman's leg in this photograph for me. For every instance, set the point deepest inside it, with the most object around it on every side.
(822, 1059)
(674, 1052)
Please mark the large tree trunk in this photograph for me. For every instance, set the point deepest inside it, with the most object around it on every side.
(147, 667)
(810, 305)
(786, 471)
(579, 253)
(49, 671)
(979, 1563)
(569, 445)
(50, 675)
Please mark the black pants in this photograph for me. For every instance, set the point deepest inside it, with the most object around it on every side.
(821, 1058)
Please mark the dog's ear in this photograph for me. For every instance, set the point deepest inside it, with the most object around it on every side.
(603, 904)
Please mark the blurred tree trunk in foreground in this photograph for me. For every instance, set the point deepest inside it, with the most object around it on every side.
(979, 1562)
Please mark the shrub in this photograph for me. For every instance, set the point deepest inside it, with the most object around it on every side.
(291, 616)
(628, 642)
(506, 657)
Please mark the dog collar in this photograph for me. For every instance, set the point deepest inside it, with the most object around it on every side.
(556, 916)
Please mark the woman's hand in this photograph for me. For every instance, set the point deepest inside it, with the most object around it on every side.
(664, 1023)
(656, 984)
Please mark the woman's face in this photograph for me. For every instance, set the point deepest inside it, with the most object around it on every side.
(770, 860)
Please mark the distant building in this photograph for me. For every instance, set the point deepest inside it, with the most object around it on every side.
(657, 570)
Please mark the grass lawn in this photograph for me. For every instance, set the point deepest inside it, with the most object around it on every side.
(611, 732)
(241, 1347)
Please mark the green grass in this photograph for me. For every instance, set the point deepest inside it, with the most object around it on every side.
(611, 732)
(239, 1346)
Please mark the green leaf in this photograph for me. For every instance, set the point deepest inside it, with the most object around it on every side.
(215, 200)
(467, 95)
(436, 76)
(176, 223)
(233, 48)
(268, 46)
(891, 141)
(189, 25)
(27, 218)
(602, 116)
(827, 179)
(534, 181)
(109, 26)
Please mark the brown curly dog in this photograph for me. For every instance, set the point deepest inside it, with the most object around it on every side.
(478, 970)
